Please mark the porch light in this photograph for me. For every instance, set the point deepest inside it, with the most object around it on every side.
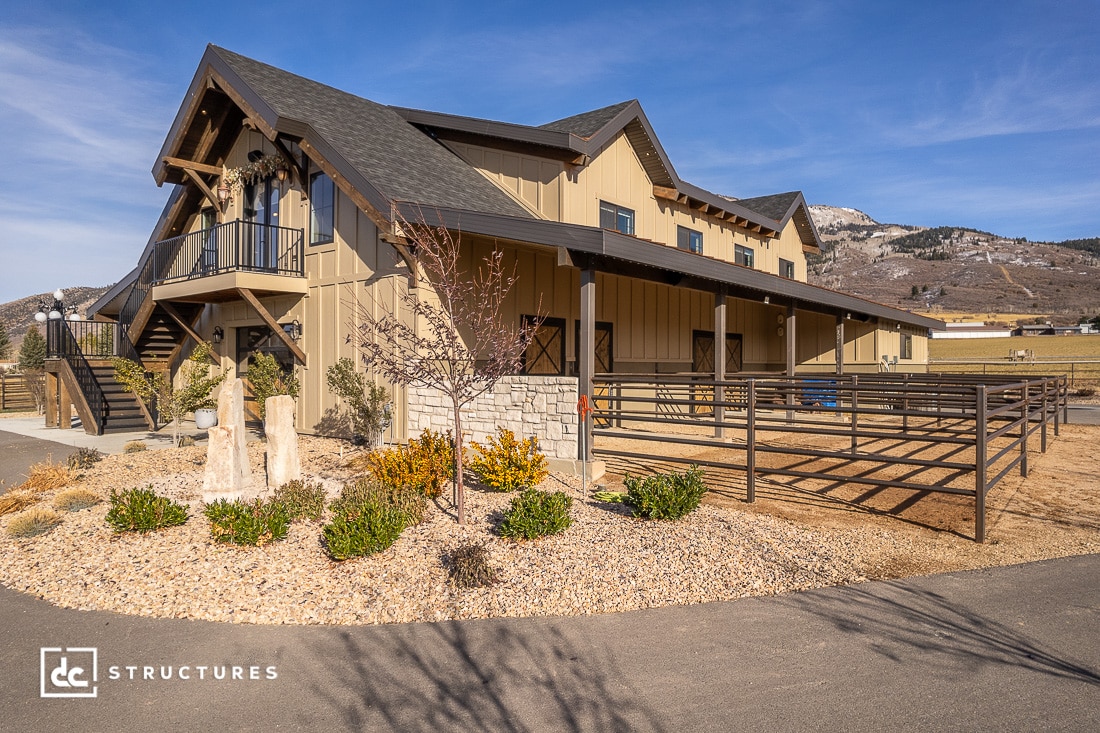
(55, 311)
(293, 329)
(281, 173)
(219, 334)
(223, 193)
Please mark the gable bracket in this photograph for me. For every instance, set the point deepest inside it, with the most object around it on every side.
(296, 166)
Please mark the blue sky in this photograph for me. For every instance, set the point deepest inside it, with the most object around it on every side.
(978, 114)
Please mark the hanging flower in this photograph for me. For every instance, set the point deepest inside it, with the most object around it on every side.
(249, 173)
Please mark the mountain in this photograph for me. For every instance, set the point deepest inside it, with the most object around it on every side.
(955, 269)
(18, 315)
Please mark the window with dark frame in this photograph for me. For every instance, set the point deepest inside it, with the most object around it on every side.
(907, 346)
(743, 255)
(322, 209)
(616, 217)
(786, 268)
(689, 239)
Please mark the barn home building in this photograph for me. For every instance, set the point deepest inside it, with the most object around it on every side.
(634, 269)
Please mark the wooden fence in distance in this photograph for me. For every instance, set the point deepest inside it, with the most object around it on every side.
(14, 394)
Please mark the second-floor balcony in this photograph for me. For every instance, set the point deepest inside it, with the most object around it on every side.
(211, 264)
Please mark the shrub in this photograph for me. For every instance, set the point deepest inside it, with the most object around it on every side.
(141, 510)
(1086, 391)
(73, 500)
(268, 379)
(302, 499)
(368, 403)
(665, 495)
(247, 523)
(84, 458)
(407, 500)
(426, 464)
(134, 446)
(33, 522)
(468, 566)
(370, 528)
(508, 464)
(185, 441)
(537, 513)
(47, 476)
(16, 499)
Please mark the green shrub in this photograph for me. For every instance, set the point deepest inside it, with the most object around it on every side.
(468, 566)
(141, 510)
(508, 464)
(426, 464)
(405, 499)
(185, 441)
(302, 499)
(367, 403)
(33, 522)
(247, 523)
(268, 379)
(73, 500)
(370, 528)
(665, 495)
(84, 458)
(134, 446)
(537, 513)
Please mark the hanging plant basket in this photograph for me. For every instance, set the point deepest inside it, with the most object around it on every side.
(235, 179)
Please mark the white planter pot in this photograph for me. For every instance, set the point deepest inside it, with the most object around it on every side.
(206, 418)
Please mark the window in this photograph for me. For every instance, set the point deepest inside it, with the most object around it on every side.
(689, 239)
(786, 268)
(546, 352)
(322, 206)
(907, 346)
(617, 218)
(743, 255)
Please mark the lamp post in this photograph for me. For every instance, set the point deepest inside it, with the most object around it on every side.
(57, 310)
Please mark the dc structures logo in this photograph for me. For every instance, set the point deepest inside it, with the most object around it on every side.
(69, 672)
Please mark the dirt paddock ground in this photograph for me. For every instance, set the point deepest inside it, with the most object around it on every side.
(1053, 512)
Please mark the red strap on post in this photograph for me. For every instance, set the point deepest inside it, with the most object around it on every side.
(584, 407)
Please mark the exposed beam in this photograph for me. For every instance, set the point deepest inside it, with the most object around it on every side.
(376, 216)
(269, 319)
(190, 165)
(664, 192)
(201, 185)
(405, 252)
(175, 316)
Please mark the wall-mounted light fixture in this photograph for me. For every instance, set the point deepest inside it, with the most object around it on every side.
(218, 335)
(293, 329)
(767, 299)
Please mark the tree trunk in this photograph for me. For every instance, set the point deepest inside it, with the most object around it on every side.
(460, 494)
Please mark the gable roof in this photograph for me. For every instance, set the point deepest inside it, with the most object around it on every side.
(579, 137)
(368, 143)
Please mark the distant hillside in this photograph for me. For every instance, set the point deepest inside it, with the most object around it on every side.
(955, 269)
(18, 315)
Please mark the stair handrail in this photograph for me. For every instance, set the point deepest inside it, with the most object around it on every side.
(68, 348)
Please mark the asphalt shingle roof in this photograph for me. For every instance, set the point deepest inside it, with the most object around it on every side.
(587, 124)
(399, 160)
(774, 207)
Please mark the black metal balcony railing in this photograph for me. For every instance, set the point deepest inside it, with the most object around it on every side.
(90, 339)
(61, 342)
(235, 246)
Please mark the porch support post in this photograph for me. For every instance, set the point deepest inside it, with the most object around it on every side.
(840, 344)
(51, 399)
(719, 360)
(64, 407)
(586, 356)
(792, 343)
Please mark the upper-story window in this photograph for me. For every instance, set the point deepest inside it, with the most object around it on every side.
(689, 239)
(617, 218)
(907, 346)
(322, 208)
(786, 268)
(743, 255)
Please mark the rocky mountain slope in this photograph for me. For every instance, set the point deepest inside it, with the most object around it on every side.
(18, 315)
(954, 269)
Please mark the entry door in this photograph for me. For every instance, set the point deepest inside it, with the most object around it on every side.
(263, 254)
(253, 340)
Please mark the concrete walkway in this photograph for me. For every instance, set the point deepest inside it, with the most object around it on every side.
(73, 438)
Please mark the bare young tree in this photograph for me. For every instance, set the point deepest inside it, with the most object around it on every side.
(459, 342)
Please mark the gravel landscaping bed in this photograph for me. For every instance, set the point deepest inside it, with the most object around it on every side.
(606, 561)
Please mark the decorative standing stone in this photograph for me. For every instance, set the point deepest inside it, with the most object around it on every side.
(282, 441)
(231, 414)
(223, 475)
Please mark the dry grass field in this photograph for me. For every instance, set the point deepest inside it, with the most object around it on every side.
(1078, 357)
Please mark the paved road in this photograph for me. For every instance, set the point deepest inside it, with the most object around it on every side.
(19, 452)
(1008, 649)
(1084, 414)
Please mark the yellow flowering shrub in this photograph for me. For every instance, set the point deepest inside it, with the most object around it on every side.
(425, 464)
(507, 464)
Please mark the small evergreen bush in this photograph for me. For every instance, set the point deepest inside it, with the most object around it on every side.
(426, 464)
(407, 500)
(507, 464)
(665, 495)
(33, 522)
(134, 446)
(84, 458)
(141, 510)
(247, 523)
(73, 500)
(302, 499)
(537, 513)
(367, 529)
(468, 566)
